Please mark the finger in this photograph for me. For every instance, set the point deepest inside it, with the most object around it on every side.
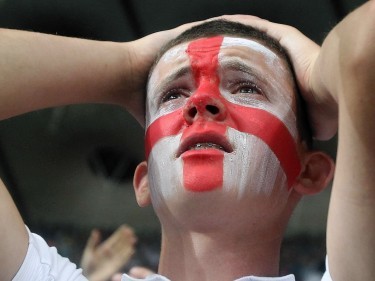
(285, 34)
(240, 18)
(125, 242)
(93, 240)
(88, 261)
(140, 272)
(120, 240)
(124, 235)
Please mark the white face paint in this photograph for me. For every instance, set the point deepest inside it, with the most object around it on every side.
(275, 81)
(165, 171)
(262, 171)
(252, 167)
(172, 61)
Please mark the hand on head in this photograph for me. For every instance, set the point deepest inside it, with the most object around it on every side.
(303, 53)
(142, 53)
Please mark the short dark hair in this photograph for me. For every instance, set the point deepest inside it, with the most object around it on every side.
(224, 27)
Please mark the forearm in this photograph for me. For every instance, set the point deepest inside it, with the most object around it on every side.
(40, 70)
(346, 56)
(348, 60)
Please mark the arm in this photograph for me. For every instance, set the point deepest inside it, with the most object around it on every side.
(338, 84)
(37, 71)
(345, 70)
(40, 70)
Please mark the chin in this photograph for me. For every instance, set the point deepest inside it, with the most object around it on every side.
(217, 210)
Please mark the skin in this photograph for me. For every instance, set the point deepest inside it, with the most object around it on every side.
(100, 260)
(337, 76)
(40, 70)
(210, 226)
(340, 76)
(185, 95)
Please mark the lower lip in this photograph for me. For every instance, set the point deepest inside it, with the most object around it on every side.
(205, 152)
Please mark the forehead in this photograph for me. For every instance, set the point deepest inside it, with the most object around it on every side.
(177, 60)
(235, 59)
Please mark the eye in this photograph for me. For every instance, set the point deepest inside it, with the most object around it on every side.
(247, 88)
(174, 94)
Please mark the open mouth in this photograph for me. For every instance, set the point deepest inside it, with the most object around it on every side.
(204, 142)
(206, 145)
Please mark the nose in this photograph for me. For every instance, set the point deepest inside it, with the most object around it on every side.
(204, 106)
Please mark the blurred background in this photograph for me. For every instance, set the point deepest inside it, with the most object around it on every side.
(70, 169)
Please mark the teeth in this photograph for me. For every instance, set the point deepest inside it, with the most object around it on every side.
(206, 145)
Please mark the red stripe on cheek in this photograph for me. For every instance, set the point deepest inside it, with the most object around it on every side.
(273, 132)
(165, 126)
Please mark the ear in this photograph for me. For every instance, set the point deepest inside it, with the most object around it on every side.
(317, 172)
(140, 183)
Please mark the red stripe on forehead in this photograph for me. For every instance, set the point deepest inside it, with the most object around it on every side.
(203, 54)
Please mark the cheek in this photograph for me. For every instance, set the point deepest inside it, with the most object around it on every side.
(260, 171)
(272, 132)
(163, 127)
(164, 170)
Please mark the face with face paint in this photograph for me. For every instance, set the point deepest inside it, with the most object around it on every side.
(220, 127)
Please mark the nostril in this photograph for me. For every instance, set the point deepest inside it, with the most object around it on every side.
(212, 109)
(192, 112)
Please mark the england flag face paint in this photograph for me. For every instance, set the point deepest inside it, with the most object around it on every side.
(220, 117)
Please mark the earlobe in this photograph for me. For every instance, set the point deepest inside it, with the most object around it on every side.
(317, 172)
(140, 183)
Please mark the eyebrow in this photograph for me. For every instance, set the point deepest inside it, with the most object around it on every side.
(237, 64)
(180, 72)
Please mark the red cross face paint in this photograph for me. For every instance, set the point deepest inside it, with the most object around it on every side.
(220, 117)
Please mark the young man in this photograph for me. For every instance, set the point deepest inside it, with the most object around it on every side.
(226, 164)
(212, 103)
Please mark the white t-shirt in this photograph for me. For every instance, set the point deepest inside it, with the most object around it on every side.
(43, 263)
(157, 277)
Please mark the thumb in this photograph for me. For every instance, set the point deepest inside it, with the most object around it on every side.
(93, 240)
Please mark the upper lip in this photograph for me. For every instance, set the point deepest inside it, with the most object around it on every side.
(206, 137)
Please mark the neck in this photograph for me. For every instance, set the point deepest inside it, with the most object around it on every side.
(216, 256)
